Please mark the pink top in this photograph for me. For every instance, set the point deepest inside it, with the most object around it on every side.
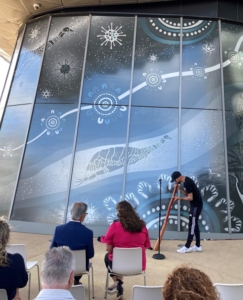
(117, 236)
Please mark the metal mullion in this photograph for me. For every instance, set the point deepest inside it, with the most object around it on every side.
(224, 129)
(10, 77)
(77, 121)
(179, 121)
(129, 108)
(31, 115)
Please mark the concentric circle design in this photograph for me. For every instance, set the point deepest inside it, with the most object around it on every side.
(105, 104)
(52, 123)
(233, 57)
(8, 150)
(168, 30)
(198, 72)
(153, 79)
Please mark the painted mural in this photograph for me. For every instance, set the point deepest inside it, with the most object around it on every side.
(109, 113)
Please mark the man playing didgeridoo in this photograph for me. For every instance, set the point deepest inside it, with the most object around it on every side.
(193, 195)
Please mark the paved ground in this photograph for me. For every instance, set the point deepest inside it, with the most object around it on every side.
(221, 260)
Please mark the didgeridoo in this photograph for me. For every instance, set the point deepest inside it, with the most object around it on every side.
(156, 246)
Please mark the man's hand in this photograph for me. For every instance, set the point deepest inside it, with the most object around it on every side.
(176, 198)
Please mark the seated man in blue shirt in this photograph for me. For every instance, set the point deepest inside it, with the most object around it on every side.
(74, 234)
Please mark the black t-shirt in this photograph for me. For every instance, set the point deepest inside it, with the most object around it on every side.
(190, 187)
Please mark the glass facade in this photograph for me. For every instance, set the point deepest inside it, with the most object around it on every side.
(102, 107)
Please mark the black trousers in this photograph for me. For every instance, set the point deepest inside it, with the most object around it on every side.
(108, 264)
(193, 228)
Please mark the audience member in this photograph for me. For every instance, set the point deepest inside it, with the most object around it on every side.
(57, 274)
(75, 235)
(12, 267)
(186, 283)
(127, 232)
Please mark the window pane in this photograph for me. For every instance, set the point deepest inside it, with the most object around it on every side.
(152, 154)
(233, 88)
(202, 159)
(42, 188)
(12, 139)
(27, 72)
(63, 62)
(109, 60)
(99, 164)
(201, 80)
(156, 67)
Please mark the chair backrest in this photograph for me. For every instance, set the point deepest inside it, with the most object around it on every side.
(80, 261)
(140, 292)
(3, 294)
(230, 291)
(127, 261)
(78, 292)
(17, 248)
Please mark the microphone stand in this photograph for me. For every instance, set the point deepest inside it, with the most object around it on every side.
(159, 255)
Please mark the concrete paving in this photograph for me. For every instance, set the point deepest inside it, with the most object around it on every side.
(222, 260)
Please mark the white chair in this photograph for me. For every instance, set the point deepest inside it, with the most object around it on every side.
(126, 262)
(230, 291)
(147, 292)
(3, 294)
(80, 267)
(78, 292)
(21, 249)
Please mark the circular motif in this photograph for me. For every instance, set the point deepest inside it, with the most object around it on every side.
(105, 104)
(153, 79)
(111, 35)
(8, 150)
(198, 72)
(233, 56)
(168, 30)
(52, 122)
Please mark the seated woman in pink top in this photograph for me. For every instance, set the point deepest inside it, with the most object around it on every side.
(127, 232)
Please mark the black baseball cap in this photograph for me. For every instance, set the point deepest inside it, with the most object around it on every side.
(175, 175)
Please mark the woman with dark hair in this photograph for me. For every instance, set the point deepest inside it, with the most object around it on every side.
(12, 267)
(127, 232)
(186, 283)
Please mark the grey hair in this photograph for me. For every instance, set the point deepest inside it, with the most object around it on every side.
(57, 266)
(78, 209)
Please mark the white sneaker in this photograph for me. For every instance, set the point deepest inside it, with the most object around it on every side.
(184, 250)
(196, 249)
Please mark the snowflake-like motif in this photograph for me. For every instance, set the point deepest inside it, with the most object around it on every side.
(111, 35)
(34, 33)
(53, 123)
(93, 215)
(65, 69)
(153, 58)
(208, 48)
(46, 94)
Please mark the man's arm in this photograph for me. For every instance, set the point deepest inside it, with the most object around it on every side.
(182, 191)
(188, 198)
(90, 246)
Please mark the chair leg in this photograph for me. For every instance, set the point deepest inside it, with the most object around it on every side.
(89, 284)
(29, 285)
(144, 276)
(106, 284)
(38, 273)
(92, 273)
